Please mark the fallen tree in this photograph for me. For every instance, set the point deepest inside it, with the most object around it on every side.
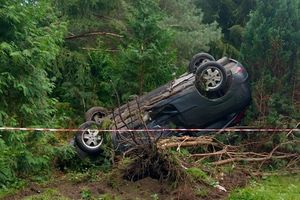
(248, 155)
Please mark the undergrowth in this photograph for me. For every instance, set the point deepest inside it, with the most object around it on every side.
(29, 156)
(48, 195)
(275, 188)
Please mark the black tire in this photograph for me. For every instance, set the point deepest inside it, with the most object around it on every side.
(198, 60)
(95, 114)
(210, 77)
(87, 140)
(81, 154)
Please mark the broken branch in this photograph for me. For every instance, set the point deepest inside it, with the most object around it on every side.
(97, 33)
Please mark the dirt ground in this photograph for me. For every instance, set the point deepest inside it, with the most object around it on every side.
(68, 186)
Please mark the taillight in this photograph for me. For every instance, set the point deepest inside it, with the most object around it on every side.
(237, 70)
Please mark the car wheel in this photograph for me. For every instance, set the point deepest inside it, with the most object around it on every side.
(210, 77)
(198, 60)
(95, 114)
(89, 139)
(81, 154)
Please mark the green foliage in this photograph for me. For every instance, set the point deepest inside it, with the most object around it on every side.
(82, 70)
(6, 174)
(141, 58)
(28, 47)
(89, 175)
(146, 59)
(198, 175)
(86, 194)
(191, 34)
(232, 16)
(51, 71)
(77, 8)
(30, 38)
(29, 154)
(82, 80)
(276, 188)
(270, 52)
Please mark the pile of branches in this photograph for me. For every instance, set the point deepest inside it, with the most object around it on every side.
(222, 154)
(152, 158)
(149, 151)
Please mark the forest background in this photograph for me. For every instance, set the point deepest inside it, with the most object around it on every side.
(59, 58)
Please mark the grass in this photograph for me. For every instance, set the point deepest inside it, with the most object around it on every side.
(273, 188)
(51, 194)
(201, 192)
(198, 175)
(11, 189)
(48, 195)
(107, 197)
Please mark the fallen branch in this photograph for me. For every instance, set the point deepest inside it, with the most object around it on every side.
(236, 156)
(184, 138)
(97, 33)
(178, 148)
(185, 142)
(94, 49)
(291, 132)
(236, 159)
(210, 154)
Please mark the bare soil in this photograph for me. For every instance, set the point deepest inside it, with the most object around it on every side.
(146, 189)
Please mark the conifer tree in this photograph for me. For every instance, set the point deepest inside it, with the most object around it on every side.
(191, 34)
(271, 52)
(30, 35)
(146, 59)
(30, 39)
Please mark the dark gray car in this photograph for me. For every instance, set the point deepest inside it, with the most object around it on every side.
(212, 94)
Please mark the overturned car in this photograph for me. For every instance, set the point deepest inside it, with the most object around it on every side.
(212, 94)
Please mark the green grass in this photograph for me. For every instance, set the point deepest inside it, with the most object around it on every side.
(51, 194)
(11, 189)
(273, 188)
(48, 195)
(198, 175)
(107, 197)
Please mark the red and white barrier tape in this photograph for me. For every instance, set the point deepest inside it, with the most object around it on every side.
(155, 130)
